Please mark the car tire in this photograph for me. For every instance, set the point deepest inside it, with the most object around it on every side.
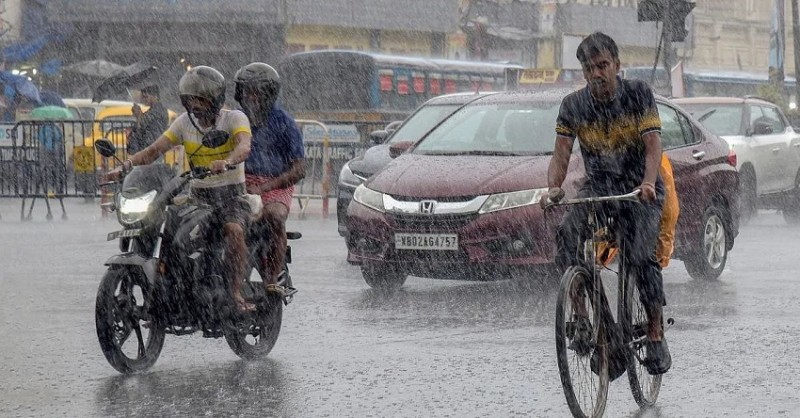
(711, 254)
(383, 277)
(748, 196)
(791, 210)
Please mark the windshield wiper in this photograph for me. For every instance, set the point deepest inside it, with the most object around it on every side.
(705, 116)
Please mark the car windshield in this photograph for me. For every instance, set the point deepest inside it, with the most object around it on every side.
(422, 121)
(722, 120)
(495, 129)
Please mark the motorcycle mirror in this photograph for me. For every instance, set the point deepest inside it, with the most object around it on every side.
(215, 138)
(105, 147)
(377, 137)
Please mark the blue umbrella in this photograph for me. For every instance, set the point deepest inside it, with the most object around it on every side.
(19, 85)
(51, 98)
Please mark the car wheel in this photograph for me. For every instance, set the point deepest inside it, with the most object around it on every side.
(748, 197)
(383, 277)
(711, 255)
(791, 209)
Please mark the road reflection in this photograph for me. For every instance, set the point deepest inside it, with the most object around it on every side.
(236, 389)
(691, 301)
(505, 303)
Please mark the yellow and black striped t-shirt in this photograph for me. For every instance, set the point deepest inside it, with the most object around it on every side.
(610, 133)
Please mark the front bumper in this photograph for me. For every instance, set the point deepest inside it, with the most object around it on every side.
(513, 237)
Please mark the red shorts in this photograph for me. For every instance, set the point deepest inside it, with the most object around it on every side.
(282, 196)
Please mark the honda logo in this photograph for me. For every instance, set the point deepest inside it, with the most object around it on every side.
(427, 207)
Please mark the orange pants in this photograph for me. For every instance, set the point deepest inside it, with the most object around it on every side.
(669, 219)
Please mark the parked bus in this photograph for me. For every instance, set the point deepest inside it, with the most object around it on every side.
(370, 90)
(710, 83)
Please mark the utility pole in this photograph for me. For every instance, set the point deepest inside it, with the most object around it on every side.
(669, 34)
(796, 37)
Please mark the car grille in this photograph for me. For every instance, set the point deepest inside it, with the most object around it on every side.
(430, 223)
(436, 198)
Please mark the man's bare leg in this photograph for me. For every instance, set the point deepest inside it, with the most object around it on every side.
(272, 263)
(236, 252)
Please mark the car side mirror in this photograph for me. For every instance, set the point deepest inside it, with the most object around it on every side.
(377, 137)
(105, 147)
(762, 128)
(398, 148)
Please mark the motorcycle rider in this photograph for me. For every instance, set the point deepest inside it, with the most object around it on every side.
(276, 163)
(202, 93)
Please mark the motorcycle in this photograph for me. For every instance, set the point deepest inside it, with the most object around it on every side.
(170, 276)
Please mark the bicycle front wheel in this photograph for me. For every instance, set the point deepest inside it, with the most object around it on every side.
(633, 318)
(580, 348)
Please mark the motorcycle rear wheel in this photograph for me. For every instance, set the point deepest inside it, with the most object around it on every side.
(121, 312)
(253, 335)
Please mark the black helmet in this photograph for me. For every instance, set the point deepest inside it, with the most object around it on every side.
(261, 78)
(205, 82)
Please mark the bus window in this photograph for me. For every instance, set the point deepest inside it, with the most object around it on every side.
(435, 84)
(450, 85)
(386, 83)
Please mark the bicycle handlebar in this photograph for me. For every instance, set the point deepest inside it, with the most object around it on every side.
(629, 197)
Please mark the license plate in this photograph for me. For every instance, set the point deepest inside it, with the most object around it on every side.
(444, 242)
(125, 233)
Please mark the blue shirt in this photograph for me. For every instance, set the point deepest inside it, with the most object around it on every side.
(274, 145)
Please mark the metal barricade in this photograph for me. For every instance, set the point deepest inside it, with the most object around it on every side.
(53, 159)
(316, 184)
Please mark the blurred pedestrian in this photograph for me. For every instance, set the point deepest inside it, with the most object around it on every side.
(150, 124)
(51, 158)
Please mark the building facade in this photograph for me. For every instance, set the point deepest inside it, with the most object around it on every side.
(174, 35)
(734, 35)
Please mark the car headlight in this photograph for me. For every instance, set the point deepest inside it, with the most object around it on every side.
(369, 198)
(347, 178)
(501, 201)
(135, 209)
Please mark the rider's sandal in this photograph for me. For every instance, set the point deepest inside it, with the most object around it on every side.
(276, 289)
(658, 360)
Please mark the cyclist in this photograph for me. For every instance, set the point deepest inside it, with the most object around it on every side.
(202, 93)
(276, 163)
(617, 124)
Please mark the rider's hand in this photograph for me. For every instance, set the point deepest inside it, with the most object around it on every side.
(647, 192)
(136, 110)
(113, 175)
(219, 166)
(554, 194)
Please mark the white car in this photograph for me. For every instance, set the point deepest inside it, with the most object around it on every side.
(766, 146)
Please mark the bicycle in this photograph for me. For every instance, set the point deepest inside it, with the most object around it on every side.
(605, 346)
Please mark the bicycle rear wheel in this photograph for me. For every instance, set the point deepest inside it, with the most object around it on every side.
(633, 319)
(586, 390)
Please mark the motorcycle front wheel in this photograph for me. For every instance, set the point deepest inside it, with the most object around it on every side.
(253, 335)
(131, 339)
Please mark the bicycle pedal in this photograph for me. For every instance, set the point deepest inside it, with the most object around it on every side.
(289, 295)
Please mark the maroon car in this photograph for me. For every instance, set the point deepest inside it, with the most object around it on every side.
(463, 202)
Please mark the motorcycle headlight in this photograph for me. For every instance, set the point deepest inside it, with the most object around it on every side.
(369, 198)
(135, 209)
(501, 201)
(347, 178)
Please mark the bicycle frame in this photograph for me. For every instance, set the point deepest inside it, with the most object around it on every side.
(612, 338)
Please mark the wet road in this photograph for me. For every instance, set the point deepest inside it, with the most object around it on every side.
(436, 348)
